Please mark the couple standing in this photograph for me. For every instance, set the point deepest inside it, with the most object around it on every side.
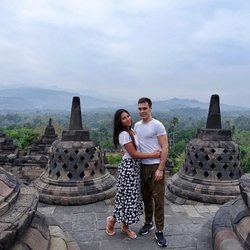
(140, 179)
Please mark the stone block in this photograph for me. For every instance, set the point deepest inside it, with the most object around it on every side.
(56, 231)
(4, 206)
(7, 237)
(245, 189)
(5, 190)
(223, 236)
(34, 239)
(39, 222)
(244, 230)
(230, 244)
(57, 243)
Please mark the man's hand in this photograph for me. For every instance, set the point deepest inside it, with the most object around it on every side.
(159, 175)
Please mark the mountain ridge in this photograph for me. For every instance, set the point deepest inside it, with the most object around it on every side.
(30, 98)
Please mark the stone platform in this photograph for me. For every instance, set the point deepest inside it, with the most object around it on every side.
(187, 227)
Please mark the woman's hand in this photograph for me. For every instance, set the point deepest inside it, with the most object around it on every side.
(157, 154)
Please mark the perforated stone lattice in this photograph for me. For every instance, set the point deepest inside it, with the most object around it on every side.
(212, 160)
(74, 163)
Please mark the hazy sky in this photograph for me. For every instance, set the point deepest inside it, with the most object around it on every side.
(128, 49)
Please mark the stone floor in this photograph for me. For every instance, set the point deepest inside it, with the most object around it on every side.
(186, 226)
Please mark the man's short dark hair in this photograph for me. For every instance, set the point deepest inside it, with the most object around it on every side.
(145, 99)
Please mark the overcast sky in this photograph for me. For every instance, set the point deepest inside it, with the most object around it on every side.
(128, 49)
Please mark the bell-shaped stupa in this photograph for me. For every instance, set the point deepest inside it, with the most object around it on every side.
(21, 225)
(231, 223)
(76, 173)
(211, 171)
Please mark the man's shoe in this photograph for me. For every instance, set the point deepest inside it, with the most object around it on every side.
(161, 240)
(146, 228)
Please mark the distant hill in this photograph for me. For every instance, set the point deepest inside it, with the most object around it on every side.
(187, 106)
(25, 99)
(176, 103)
(34, 99)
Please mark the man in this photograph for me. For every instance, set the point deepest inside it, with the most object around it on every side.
(152, 136)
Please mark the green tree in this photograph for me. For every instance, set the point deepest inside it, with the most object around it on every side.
(243, 138)
(178, 162)
(114, 158)
(22, 137)
(245, 158)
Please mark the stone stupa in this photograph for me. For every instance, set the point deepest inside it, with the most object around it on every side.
(76, 173)
(211, 171)
(231, 223)
(42, 145)
(21, 225)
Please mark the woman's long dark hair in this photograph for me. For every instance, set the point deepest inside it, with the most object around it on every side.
(118, 127)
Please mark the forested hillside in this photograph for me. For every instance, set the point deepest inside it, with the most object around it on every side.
(181, 128)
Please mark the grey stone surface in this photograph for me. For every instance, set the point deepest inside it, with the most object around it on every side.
(186, 227)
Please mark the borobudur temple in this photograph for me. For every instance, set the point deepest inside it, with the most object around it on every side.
(212, 169)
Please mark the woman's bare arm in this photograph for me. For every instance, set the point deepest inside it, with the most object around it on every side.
(139, 155)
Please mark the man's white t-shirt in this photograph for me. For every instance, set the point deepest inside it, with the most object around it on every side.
(125, 138)
(147, 135)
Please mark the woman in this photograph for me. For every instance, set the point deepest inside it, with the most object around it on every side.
(128, 201)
